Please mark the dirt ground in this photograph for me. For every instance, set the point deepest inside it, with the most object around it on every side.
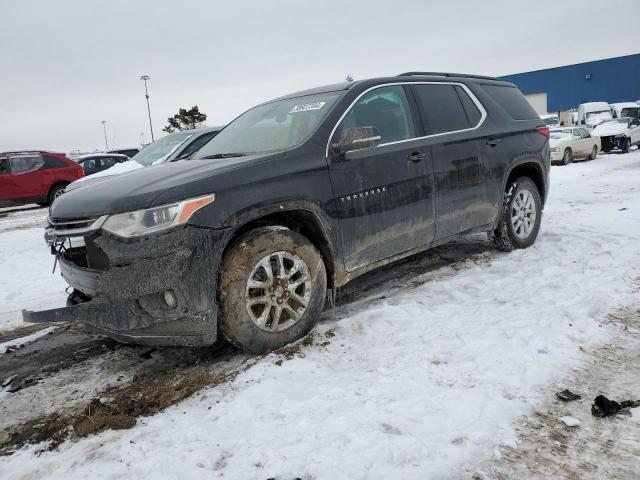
(596, 448)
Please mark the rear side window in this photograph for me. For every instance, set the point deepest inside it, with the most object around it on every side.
(470, 108)
(512, 101)
(24, 163)
(53, 162)
(441, 106)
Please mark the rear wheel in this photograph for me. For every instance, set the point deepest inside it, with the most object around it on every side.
(272, 289)
(521, 216)
(55, 192)
(594, 153)
(566, 158)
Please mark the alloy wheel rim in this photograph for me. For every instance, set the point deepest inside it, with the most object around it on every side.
(278, 291)
(523, 214)
(58, 193)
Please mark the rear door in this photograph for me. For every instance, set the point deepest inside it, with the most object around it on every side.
(450, 116)
(384, 194)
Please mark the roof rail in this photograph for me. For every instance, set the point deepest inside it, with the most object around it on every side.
(446, 74)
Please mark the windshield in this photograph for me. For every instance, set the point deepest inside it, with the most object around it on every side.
(272, 127)
(595, 117)
(161, 148)
(629, 112)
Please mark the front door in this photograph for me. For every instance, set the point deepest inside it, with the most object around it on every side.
(384, 194)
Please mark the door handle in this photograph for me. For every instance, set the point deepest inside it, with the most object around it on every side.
(415, 157)
(492, 142)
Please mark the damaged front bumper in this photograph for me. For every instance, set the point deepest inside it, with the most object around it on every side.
(159, 290)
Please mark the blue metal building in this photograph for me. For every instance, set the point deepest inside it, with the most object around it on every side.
(611, 80)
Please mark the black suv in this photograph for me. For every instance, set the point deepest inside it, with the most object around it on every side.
(295, 198)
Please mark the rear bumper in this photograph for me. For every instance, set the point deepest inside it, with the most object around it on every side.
(128, 295)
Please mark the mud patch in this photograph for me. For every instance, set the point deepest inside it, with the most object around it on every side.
(117, 408)
(8, 335)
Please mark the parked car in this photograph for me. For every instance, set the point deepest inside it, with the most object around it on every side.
(592, 113)
(620, 134)
(176, 146)
(550, 120)
(172, 147)
(570, 143)
(295, 198)
(97, 162)
(129, 152)
(35, 177)
(624, 109)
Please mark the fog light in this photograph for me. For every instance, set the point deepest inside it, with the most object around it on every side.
(169, 298)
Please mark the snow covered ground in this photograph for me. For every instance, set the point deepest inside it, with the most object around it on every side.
(425, 382)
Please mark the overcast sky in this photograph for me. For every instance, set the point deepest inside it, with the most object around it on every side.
(66, 65)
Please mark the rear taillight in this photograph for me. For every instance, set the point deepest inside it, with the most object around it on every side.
(543, 131)
(80, 172)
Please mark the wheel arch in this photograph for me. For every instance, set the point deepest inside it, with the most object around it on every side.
(57, 183)
(299, 218)
(532, 170)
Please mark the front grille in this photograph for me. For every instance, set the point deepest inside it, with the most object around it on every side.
(74, 228)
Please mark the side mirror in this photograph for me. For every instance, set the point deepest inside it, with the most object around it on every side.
(356, 138)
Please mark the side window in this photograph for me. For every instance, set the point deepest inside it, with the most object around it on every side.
(442, 108)
(385, 108)
(4, 165)
(25, 163)
(585, 133)
(89, 164)
(512, 101)
(473, 114)
(106, 162)
(197, 144)
(53, 162)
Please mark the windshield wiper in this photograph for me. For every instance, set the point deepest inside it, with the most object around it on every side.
(225, 155)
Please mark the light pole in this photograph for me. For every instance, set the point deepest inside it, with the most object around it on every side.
(104, 128)
(146, 94)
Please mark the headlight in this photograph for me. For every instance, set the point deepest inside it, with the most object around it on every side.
(144, 222)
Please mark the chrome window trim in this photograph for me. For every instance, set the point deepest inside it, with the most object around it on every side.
(474, 99)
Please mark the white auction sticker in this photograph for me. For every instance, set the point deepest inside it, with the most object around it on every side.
(307, 106)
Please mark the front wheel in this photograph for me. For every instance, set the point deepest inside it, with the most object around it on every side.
(521, 216)
(626, 145)
(272, 288)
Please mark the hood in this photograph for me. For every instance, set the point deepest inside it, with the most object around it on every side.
(146, 187)
(608, 129)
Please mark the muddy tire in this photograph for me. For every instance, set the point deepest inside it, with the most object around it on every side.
(55, 192)
(521, 216)
(272, 288)
(566, 158)
(594, 153)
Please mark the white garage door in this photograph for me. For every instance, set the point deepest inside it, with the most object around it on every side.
(539, 102)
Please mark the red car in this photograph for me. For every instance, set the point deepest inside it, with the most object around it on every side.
(35, 176)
